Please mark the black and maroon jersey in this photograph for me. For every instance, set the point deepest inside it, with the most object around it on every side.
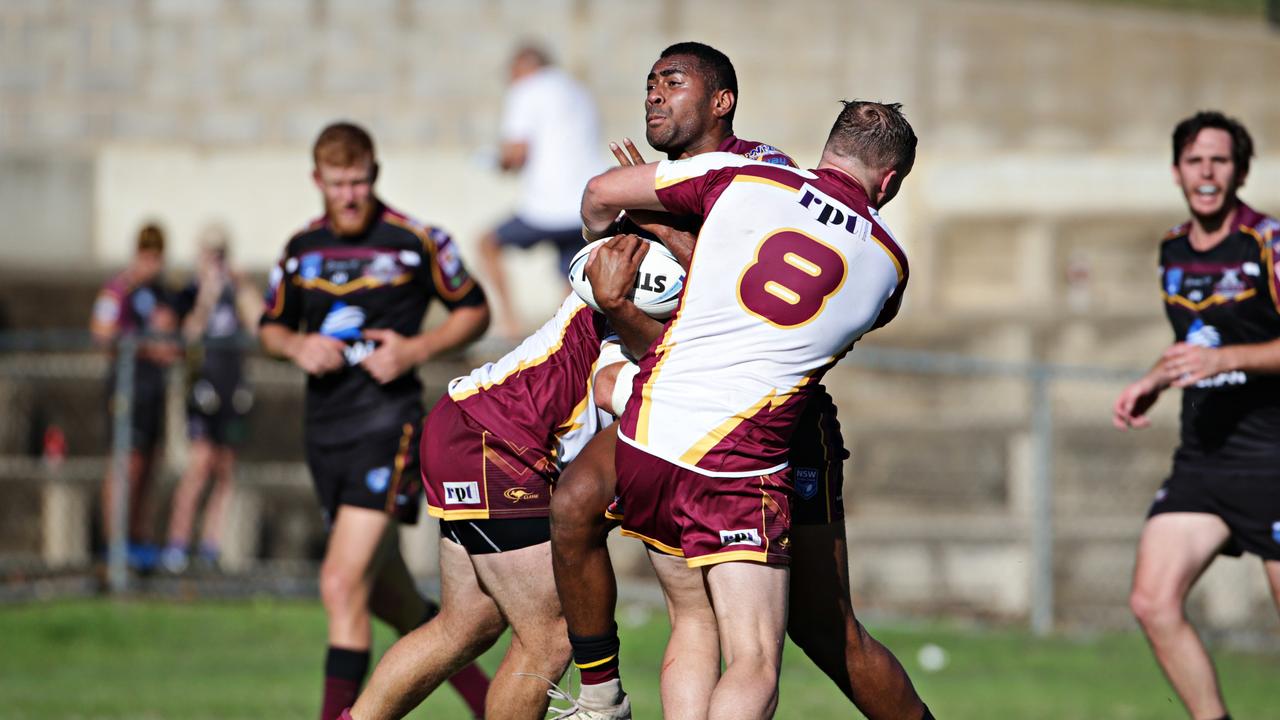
(1227, 295)
(219, 357)
(341, 286)
(124, 307)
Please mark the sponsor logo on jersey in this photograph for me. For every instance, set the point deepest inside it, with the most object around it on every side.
(748, 536)
(1275, 531)
(106, 310)
(769, 154)
(1251, 269)
(356, 352)
(1172, 280)
(311, 265)
(1230, 285)
(291, 265)
(343, 321)
(1195, 296)
(409, 258)
(1203, 335)
(806, 482)
(1161, 494)
(144, 302)
(378, 479)
(829, 211)
(461, 493)
(273, 279)
(516, 494)
(383, 267)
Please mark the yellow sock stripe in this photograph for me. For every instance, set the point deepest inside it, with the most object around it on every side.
(588, 666)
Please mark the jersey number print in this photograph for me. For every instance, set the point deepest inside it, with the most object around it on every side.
(791, 278)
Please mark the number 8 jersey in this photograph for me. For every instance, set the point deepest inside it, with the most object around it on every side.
(791, 267)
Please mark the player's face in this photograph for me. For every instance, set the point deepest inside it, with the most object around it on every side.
(147, 265)
(1206, 173)
(678, 106)
(348, 195)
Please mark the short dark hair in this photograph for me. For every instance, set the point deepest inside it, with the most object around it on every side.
(151, 238)
(343, 144)
(876, 134)
(1241, 143)
(715, 67)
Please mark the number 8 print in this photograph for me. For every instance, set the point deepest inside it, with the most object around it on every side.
(791, 279)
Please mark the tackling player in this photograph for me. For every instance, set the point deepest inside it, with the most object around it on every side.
(702, 469)
(689, 109)
(346, 305)
(1222, 297)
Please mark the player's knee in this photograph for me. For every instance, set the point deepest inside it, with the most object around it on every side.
(1154, 610)
(341, 589)
(575, 505)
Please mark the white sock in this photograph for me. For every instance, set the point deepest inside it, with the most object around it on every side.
(602, 696)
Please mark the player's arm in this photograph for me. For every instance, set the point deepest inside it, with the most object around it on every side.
(1186, 364)
(105, 323)
(512, 155)
(397, 354)
(1130, 409)
(278, 331)
(659, 224)
(611, 270)
(618, 189)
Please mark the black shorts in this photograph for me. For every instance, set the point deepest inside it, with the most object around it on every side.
(485, 537)
(218, 417)
(379, 471)
(1248, 504)
(518, 233)
(146, 423)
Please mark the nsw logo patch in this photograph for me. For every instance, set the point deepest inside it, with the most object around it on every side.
(806, 482)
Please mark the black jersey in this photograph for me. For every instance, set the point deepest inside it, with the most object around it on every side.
(342, 285)
(219, 357)
(1228, 295)
(127, 308)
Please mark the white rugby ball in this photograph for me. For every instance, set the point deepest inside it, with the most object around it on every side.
(657, 286)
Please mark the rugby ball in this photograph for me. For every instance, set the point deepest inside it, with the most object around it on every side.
(657, 286)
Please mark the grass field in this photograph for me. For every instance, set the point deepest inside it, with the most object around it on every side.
(104, 659)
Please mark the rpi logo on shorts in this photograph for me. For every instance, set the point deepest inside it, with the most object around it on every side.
(461, 493)
(748, 536)
(377, 479)
(806, 482)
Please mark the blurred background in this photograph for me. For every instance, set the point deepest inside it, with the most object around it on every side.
(985, 480)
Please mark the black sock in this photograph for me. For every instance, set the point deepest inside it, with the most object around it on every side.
(927, 715)
(596, 656)
(343, 672)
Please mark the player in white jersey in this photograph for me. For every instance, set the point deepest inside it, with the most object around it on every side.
(791, 268)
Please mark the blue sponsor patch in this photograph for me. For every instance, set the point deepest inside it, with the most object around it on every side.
(377, 479)
(144, 303)
(1275, 531)
(806, 482)
(1172, 281)
(343, 321)
(311, 266)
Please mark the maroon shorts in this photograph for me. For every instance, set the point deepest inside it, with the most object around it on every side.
(469, 473)
(817, 465)
(704, 519)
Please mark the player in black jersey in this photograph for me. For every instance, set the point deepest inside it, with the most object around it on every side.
(346, 305)
(1222, 296)
(135, 303)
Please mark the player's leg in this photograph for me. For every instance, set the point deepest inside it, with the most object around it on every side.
(750, 601)
(518, 581)
(468, 624)
(215, 509)
(822, 623)
(580, 559)
(1174, 550)
(691, 663)
(200, 463)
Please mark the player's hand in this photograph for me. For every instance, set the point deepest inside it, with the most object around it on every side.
(612, 268)
(1184, 364)
(627, 154)
(392, 358)
(1130, 409)
(318, 354)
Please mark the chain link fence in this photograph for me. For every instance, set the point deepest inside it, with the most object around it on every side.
(975, 487)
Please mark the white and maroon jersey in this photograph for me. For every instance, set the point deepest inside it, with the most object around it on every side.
(539, 394)
(791, 268)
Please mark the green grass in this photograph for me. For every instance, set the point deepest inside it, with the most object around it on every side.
(103, 659)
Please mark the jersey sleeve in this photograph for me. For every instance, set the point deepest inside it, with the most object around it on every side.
(282, 304)
(1270, 252)
(518, 115)
(690, 186)
(108, 309)
(447, 275)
